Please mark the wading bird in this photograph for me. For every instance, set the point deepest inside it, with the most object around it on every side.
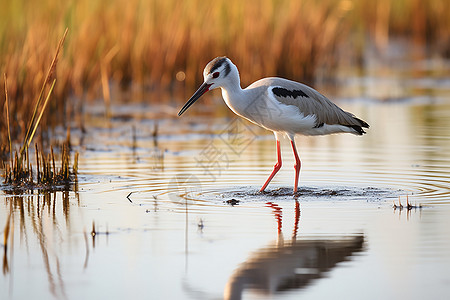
(277, 104)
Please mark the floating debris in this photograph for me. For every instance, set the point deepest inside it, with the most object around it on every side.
(232, 202)
(200, 225)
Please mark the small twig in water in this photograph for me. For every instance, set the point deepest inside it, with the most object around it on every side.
(409, 206)
(128, 197)
(399, 206)
(93, 232)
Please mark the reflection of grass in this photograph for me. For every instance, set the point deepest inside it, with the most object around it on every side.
(150, 42)
(42, 221)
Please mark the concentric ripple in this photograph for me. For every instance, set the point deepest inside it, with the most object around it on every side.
(210, 167)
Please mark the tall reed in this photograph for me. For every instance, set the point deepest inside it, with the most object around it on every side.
(19, 171)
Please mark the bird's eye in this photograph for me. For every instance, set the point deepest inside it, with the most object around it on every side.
(216, 74)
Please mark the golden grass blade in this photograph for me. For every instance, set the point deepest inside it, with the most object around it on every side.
(7, 116)
(75, 165)
(40, 115)
(30, 132)
(105, 89)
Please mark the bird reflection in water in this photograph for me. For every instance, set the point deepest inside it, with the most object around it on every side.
(293, 264)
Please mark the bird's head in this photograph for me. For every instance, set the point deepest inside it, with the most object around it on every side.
(218, 73)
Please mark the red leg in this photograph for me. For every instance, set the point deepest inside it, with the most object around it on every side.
(277, 211)
(297, 165)
(297, 218)
(276, 168)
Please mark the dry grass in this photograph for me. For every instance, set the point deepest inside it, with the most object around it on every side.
(19, 171)
(147, 43)
(19, 174)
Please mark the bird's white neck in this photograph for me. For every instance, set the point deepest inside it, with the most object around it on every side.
(234, 97)
(232, 93)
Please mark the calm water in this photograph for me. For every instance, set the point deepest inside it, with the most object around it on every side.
(180, 217)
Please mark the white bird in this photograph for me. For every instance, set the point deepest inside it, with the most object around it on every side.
(277, 104)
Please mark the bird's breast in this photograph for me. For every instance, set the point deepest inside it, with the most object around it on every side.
(261, 109)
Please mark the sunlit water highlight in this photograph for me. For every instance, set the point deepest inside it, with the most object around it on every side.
(180, 216)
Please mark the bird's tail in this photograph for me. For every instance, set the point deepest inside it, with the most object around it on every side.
(359, 128)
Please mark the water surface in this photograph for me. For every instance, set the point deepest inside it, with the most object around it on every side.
(179, 215)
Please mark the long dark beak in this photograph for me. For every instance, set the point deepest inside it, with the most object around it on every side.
(201, 90)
